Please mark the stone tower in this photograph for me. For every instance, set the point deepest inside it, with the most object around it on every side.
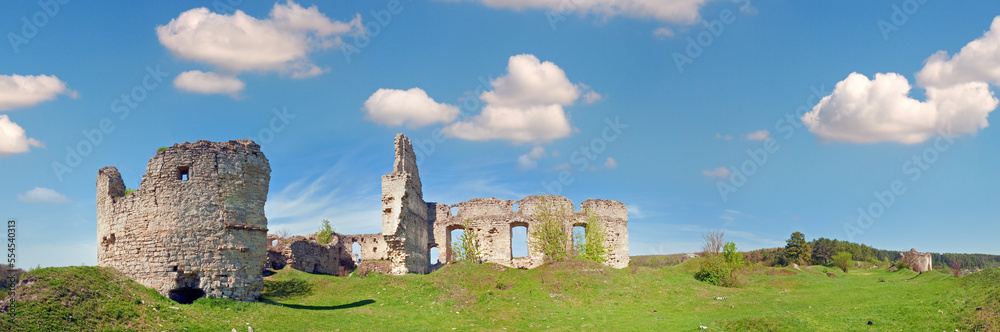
(195, 226)
(404, 213)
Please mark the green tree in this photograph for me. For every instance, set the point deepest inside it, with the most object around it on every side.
(467, 246)
(843, 260)
(733, 258)
(591, 246)
(797, 249)
(823, 250)
(325, 234)
(549, 234)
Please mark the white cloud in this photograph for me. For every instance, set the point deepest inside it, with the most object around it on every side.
(43, 195)
(672, 11)
(723, 137)
(759, 135)
(611, 163)
(663, 33)
(518, 125)
(17, 91)
(867, 111)
(238, 42)
(526, 105)
(413, 107)
(958, 101)
(530, 160)
(197, 81)
(978, 60)
(592, 97)
(530, 82)
(13, 139)
(720, 173)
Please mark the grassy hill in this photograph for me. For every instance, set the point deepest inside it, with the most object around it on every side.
(570, 295)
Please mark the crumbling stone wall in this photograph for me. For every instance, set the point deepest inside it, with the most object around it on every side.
(404, 213)
(411, 227)
(919, 261)
(195, 226)
(303, 253)
(494, 220)
(373, 246)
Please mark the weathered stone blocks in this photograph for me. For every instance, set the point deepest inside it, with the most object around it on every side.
(195, 226)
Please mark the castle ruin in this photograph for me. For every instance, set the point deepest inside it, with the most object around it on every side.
(195, 226)
(919, 261)
(411, 227)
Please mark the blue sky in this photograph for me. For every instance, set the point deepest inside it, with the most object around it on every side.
(652, 103)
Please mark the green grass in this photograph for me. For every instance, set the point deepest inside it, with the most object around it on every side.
(567, 296)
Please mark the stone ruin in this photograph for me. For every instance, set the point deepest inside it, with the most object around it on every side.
(411, 226)
(919, 261)
(195, 226)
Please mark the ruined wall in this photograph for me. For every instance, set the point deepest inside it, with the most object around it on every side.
(919, 261)
(494, 219)
(404, 213)
(373, 246)
(303, 253)
(195, 226)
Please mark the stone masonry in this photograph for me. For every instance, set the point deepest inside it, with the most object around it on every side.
(195, 226)
(411, 227)
(494, 220)
(919, 261)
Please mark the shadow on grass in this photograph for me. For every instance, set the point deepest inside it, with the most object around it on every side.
(286, 288)
(313, 307)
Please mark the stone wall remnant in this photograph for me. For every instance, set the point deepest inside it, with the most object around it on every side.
(919, 261)
(195, 226)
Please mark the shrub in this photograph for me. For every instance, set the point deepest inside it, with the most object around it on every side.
(722, 270)
(592, 247)
(843, 260)
(548, 236)
(902, 265)
(325, 234)
(733, 258)
(467, 246)
(161, 149)
(716, 271)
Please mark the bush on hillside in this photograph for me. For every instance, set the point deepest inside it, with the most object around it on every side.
(843, 260)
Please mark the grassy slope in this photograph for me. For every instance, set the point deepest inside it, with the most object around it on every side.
(565, 296)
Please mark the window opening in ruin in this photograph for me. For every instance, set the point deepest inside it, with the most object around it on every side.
(455, 239)
(454, 211)
(518, 241)
(186, 290)
(356, 251)
(579, 237)
(515, 207)
(434, 255)
(182, 173)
